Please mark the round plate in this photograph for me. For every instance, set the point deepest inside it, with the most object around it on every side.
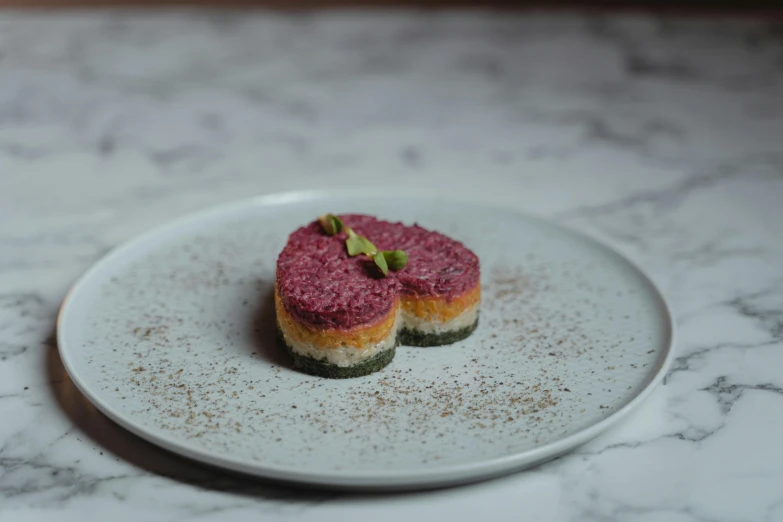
(173, 337)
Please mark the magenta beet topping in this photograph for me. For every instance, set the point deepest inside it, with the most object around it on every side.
(321, 285)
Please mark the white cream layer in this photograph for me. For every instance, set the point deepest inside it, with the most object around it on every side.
(420, 325)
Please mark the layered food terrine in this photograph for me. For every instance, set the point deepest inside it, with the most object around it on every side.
(339, 315)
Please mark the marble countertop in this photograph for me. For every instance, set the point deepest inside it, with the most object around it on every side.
(662, 136)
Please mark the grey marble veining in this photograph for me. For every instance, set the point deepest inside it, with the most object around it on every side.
(662, 136)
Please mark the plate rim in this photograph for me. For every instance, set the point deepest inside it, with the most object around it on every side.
(343, 479)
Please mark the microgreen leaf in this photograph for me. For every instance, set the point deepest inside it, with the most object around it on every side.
(380, 260)
(357, 244)
(396, 259)
(331, 224)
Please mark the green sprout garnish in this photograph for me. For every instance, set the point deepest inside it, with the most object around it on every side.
(331, 224)
(357, 245)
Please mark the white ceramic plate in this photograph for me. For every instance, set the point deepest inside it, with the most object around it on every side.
(172, 336)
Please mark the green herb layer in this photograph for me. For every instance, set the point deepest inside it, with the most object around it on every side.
(321, 368)
(413, 338)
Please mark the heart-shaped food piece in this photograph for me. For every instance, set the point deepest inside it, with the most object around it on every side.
(338, 316)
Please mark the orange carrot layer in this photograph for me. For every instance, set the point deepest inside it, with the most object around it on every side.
(434, 308)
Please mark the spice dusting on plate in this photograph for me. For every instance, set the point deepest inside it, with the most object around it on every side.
(220, 394)
(186, 338)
